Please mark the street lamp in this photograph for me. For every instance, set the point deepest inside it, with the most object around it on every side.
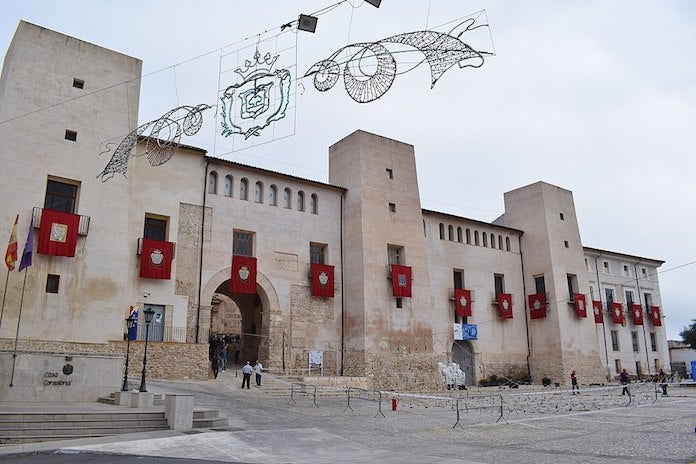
(130, 321)
(149, 312)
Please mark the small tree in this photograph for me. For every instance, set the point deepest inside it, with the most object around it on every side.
(688, 335)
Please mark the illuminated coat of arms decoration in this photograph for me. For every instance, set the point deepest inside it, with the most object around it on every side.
(257, 91)
(260, 99)
(371, 67)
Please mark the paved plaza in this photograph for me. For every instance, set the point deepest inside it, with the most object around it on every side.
(479, 425)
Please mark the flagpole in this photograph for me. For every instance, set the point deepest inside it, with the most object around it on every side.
(19, 316)
(4, 295)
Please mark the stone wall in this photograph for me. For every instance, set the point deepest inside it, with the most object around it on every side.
(403, 371)
(47, 370)
(166, 360)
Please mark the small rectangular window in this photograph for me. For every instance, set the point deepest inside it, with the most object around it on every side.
(605, 266)
(615, 340)
(639, 369)
(78, 83)
(399, 303)
(572, 286)
(392, 207)
(565, 243)
(562, 219)
(390, 174)
(609, 295)
(634, 340)
(644, 272)
(499, 284)
(540, 284)
(70, 135)
(60, 196)
(617, 365)
(242, 243)
(52, 283)
(458, 278)
(155, 229)
(317, 253)
(653, 341)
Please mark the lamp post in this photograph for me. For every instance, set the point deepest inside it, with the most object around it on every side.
(130, 320)
(149, 312)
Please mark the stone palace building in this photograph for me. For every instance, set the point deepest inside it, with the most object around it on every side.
(348, 278)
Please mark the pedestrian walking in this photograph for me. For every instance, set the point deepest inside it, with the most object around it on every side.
(663, 382)
(223, 357)
(246, 372)
(215, 364)
(574, 382)
(625, 380)
(258, 368)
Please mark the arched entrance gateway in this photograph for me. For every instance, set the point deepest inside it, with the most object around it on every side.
(252, 320)
(463, 354)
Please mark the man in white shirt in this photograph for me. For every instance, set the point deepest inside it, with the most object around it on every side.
(258, 368)
(246, 371)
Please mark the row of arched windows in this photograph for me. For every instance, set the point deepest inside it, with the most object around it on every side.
(482, 239)
(273, 193)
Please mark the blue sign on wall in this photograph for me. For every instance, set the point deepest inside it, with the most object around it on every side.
(469, 332)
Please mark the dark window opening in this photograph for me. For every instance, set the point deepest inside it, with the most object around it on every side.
(60, 196)
(70, 135)
(155, 229)
(242, 243)
(52, 283)
(317, 253)
(78, 83)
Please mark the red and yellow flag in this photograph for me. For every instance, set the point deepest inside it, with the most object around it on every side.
(11, 253)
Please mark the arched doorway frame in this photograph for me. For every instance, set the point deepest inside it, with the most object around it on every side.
(271, 316)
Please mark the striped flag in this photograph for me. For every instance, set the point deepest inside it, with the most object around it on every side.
(28, 248)
(11, 253)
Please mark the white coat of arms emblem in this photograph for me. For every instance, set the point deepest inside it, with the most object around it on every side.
(323, 279)
(156, 257)
(537, 304)
(463, 301)
(59, 232)
(244, 273)
(402, 280)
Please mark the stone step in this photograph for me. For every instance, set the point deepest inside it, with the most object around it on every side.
(63, 424)
(81, 431)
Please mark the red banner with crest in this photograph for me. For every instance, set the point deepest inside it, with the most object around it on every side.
(504, 305)
(580, 304)
(462, 302)
(655, 316)
(322, 280)
(401, 280)
(617, 315)
(243, 279)
(156, 259)
(58, 233)
(597, 310)
(537, 305)
(637, 313)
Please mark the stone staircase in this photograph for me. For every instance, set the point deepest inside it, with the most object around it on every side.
(34, 425)
(17, 428)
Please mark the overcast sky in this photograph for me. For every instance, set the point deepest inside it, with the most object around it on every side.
(598, 97)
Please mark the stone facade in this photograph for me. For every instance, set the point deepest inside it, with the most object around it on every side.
(365, 220)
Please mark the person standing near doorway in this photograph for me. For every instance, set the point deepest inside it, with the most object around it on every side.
(574, 382)
(246, 372)
(223, 356)
(258, 368)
